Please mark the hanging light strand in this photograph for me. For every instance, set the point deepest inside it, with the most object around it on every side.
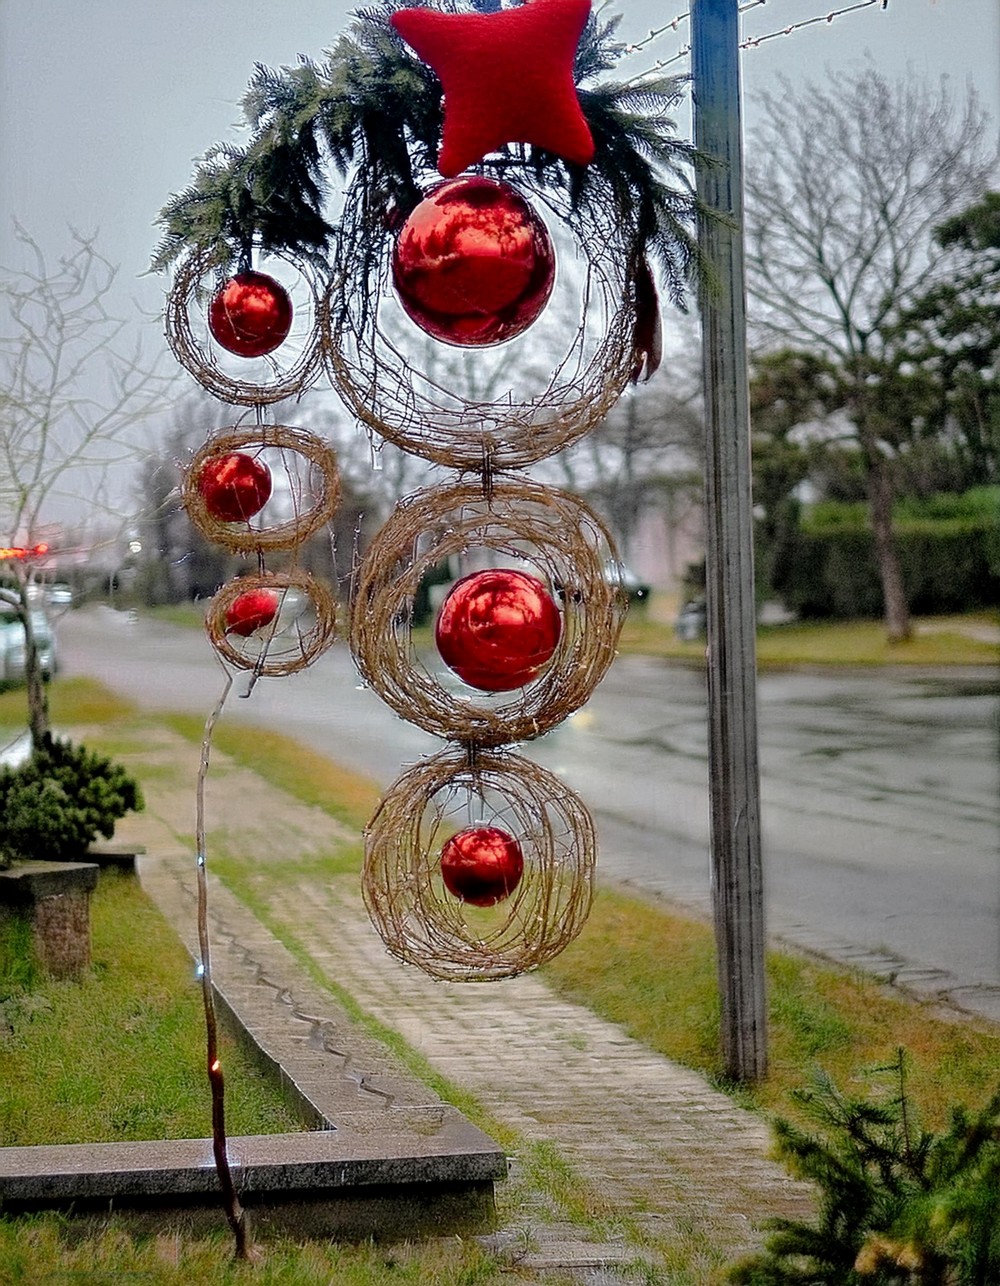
(752, 41)
(675, 23)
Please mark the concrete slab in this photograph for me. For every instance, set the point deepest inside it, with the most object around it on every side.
(398, 1171)
(29, 882)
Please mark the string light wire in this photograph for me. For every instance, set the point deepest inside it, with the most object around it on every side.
(751, 42)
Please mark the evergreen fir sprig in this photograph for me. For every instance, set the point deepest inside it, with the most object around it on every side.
(370, 102)
(897, 1205)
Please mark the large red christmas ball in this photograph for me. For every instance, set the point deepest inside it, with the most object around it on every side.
(250, 315)
(497, 629)
(251, 611)
(473, 264)
(234, 486)
(482, 865)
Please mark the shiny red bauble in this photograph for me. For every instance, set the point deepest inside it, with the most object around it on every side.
(497, 629)
(234, 486)
(250, 315)
(473, 264)
(251, 611)
(482, 865)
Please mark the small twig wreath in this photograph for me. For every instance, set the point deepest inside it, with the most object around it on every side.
(566, 544)
(193, 346)
(313, 498)
(273, 623)
(421, 922)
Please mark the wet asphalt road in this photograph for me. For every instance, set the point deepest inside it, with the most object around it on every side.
(880, 790)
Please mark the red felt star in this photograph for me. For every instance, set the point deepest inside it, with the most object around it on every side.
(507, 78)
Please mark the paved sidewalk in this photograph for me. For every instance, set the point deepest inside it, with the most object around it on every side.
(664, 1151)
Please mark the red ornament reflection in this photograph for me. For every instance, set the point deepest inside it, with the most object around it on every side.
(482, 865)
(251, 315)
(497, 629)
(473, 264)
(234, 486)
(251, 611)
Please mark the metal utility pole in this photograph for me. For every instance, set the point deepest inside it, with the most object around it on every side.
(734, 788)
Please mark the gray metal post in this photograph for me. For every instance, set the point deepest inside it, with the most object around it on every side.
(737, 874)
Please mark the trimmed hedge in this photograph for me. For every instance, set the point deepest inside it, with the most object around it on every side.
(948, 566)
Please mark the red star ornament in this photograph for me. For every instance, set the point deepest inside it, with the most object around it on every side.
(507, 78)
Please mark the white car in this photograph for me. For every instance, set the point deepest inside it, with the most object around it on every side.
(13, 647)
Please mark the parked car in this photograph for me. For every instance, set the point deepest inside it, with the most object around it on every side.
(59, 595)
(692, 621)
(618, 574)
(13, 646)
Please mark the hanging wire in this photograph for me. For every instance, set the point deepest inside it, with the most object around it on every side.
(234, 1211)
(675, 22)
(751, 42)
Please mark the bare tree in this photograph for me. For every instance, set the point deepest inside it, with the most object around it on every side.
(646, 454)
(846, 182)
(71, 392)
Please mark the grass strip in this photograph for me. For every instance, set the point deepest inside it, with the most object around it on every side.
(120, 1054)
(71, 701)
(56, 1251)
(936, 641)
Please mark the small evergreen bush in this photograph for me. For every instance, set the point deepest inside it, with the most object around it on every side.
(54, 805)
(898, 1206)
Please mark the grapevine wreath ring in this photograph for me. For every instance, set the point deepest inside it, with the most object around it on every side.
(421, 922)
(322, 490)
(565, 542)
(378, 378)
(196, 353)
(274, 649)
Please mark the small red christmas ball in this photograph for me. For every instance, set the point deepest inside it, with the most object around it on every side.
(250, 315)
(251, 611)
(473, 264)
(234, 486)
(497, 629)
(482, 865)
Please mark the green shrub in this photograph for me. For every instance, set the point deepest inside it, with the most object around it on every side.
(58, 802)
(898, 1206)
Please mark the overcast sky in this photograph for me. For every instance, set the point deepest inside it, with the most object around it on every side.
(105, 104)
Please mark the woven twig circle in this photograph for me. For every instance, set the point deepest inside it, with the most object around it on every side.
(424, 924)
(284, 374)
(568, 548)
(419, 409)
(304, 624)
(310, 488)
